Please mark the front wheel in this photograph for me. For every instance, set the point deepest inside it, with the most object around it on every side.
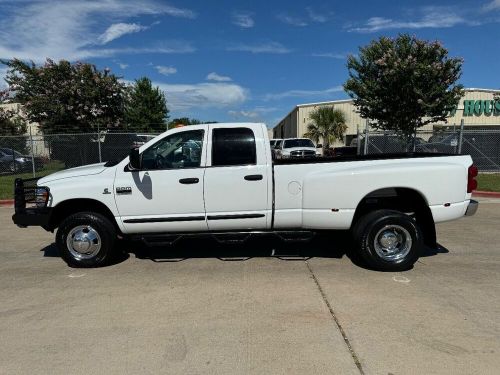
(86, 239)
(388, 240)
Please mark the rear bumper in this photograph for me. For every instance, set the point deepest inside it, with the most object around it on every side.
(472, 208)
(32, 217)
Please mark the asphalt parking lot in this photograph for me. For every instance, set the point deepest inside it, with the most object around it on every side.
(202, 308)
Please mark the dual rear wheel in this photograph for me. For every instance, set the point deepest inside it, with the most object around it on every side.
(388, 240)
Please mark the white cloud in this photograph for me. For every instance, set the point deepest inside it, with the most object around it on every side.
(216, 77)
(245, 114)
(302, 93)
(123, 66)
(171, 47)
(165, 70)
(330, 55)
(256, 113)
(203, 95)
(431, 17)
(68, 29)
(243, 19)
(316, 17)
(117, 30)
(269, 47)
(290, 20)
(495, 4)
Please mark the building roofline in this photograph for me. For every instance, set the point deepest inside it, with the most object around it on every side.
(481, 90)
(350, 100)
(327, 102)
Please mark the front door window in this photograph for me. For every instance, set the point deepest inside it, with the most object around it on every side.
(179, 150)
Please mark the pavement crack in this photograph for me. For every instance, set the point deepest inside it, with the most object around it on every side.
(336, 320)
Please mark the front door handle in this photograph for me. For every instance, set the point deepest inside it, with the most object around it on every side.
(189, 180)
(253, 177)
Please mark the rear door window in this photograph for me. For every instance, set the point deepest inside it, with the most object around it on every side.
(233, 146)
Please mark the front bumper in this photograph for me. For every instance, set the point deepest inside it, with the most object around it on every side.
(472, 208)
(32, 217)
(30, 204)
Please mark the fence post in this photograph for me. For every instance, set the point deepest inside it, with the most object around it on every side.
(32, 154)
(358, 143)
(460, 136)
(367, 136)
(99, 142)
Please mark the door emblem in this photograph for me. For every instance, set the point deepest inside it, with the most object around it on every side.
(106, 191)
(124, 190)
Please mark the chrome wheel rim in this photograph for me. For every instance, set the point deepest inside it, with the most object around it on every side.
(392, 243)
(83, 242)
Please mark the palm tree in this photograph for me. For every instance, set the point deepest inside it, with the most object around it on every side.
(328, 124)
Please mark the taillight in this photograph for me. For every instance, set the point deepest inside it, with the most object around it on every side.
(471, 179)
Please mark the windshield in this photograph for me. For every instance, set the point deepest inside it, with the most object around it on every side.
(289, 143)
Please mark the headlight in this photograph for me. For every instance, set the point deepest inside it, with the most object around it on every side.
(41, 197)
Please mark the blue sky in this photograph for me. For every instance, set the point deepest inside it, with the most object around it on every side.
(239, 60)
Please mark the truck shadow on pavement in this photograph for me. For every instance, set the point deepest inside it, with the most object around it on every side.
(335, 245)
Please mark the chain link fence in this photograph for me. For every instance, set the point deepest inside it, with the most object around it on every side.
(39, 155)
(483, 145)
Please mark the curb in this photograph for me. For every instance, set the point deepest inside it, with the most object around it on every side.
(486, 194)
(7, 202)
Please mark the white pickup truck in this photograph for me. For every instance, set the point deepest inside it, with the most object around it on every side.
(220, 179)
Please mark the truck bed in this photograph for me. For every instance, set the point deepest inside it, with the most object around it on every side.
(347, 158)
(324, 192)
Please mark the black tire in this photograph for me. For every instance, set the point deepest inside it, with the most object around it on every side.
(378, 228)
(86, 224)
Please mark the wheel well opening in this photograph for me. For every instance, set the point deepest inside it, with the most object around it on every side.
(72, 206)
(404, 200)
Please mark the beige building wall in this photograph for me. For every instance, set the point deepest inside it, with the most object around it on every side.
(295, 123)
(475, 119)
(38, 146)
(16, 108)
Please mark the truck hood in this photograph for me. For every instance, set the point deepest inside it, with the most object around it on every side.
(86, 170)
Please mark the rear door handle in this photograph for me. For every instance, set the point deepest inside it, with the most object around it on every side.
(186, 181)
(253, 177)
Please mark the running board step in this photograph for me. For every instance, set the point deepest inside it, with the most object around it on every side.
(168, 239)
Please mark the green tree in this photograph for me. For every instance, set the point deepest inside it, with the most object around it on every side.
(404, 83)
(64, 97)
(146, 108)
(10, 124)
(328, 125)
(12, 127)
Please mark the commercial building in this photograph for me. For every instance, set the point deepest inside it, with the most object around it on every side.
(478, 108)
(32, 131)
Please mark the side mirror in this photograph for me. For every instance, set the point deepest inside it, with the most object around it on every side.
(135, 159)
(319, 145)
